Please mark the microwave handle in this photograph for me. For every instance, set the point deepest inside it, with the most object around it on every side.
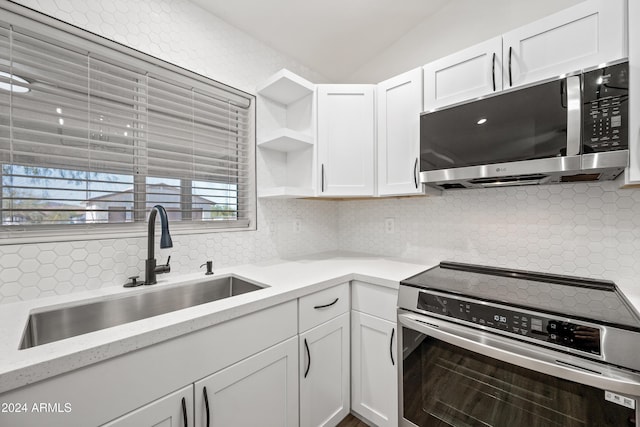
(516, 353)
(574, 115)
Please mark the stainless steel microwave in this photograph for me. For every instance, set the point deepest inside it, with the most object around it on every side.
(574, 128)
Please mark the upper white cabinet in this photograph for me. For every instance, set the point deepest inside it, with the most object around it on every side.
(346, 140)
(588, 34)
(582, 36)
(286, 136)
(632, 176)
(259, 391)
(399, 102)
(470, 73)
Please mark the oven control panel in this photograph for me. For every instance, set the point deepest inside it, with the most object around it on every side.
(534, 326)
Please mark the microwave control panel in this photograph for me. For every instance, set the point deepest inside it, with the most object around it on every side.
(539, 327)
(605, 96)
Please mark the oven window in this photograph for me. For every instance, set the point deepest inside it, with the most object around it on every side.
(444, 385)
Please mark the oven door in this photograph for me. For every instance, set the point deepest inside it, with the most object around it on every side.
(452, 375)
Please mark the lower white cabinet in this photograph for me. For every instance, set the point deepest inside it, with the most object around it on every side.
(324, 373)
(374, 374)
(259, 391)
(174, 410)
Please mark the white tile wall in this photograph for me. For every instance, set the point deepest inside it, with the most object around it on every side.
(43, 269)
(181, 33)
(587, 229)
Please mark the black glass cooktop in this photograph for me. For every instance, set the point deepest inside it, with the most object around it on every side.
(582, 298)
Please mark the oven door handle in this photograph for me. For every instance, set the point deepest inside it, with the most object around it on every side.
(528, 356)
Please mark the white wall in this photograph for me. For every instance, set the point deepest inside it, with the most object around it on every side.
(184, 34)
(457, 25)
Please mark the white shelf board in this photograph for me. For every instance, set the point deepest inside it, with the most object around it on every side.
(286, 140)
(285, 192)
(285, 87)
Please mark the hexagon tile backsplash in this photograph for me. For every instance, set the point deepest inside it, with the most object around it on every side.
(44, 269)
(586, 229)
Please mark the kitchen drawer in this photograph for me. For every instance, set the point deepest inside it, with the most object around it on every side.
(317, 308)
(376, 300)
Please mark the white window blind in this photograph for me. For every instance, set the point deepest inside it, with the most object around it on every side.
(89, 138)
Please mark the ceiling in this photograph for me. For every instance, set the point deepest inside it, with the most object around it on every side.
(332, 37)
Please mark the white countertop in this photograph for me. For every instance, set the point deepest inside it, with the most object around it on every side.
(286, 280)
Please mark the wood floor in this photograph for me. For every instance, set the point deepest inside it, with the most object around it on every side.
(352, 421)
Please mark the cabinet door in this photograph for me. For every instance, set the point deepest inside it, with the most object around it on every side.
(346, 140)
(470, 73)
(633, 172)
(374, 378)
(582, 36)
(324, 373)
(261, 390)
(399, 102)
(174, 410)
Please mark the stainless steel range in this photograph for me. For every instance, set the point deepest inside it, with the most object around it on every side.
(483, 346)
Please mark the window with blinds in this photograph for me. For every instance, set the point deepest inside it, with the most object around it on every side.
(89, 138)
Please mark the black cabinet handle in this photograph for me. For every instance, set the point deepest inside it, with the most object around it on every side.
(184, 412)
(415, 173)
(206, 403)
(326, 305)
(322, 178)
(306, 346)
(493, 71)
(510, 55)
(393, 362)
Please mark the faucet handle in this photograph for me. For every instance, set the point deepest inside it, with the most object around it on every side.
(164, 268)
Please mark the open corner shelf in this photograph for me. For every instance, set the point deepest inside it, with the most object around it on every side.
(285, 87)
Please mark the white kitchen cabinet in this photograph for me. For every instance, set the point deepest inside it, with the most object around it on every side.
(585, 35)
(632, 176)
(399, 102)
(259, 391)
(374, 378)
(286, 136)
(374, 375)
(582, 36)
(467, 74)
(104, 391)
(325, 373)
(176, 409)
(346, 140)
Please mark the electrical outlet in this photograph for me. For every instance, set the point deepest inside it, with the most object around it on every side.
(272, 227)
(297, 225)
(389, 225)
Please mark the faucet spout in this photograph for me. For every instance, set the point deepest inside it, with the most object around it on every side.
(165, 242)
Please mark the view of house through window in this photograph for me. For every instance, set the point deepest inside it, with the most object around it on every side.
(85, 139)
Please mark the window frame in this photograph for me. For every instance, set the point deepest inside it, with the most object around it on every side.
(68, 34)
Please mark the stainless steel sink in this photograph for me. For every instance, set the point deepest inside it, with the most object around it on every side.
(57, 324)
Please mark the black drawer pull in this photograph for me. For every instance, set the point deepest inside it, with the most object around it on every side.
(326, 305)
(493, 71)
(393, 362)
(206, 403)
(306, 346)
(184, 412)
(510, 55)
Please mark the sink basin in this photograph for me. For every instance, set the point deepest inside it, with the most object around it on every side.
(57, 324)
